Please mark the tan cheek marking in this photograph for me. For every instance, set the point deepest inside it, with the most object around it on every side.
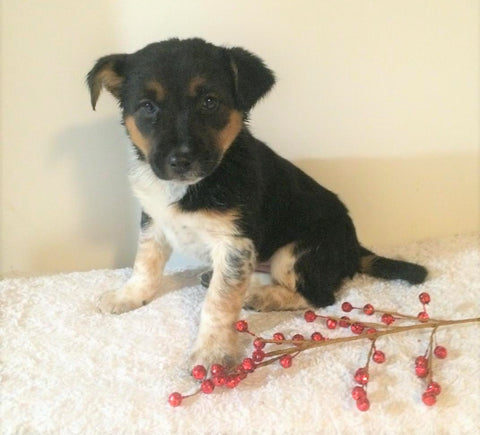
(137, 138)
(157, 89)
(193, 86)
(226, 136)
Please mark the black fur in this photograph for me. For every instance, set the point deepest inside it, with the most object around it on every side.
(251, 78)
(275, 201)
(387, 268)
(145, 220)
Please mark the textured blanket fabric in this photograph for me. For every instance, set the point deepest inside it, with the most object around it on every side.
(65, 368)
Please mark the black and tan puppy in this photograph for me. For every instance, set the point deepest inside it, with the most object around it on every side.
(209, 188)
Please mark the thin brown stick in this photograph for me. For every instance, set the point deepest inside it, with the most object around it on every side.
(352, 321)
(430, 356)
(372, 347)
(310, 344)
(405, 316)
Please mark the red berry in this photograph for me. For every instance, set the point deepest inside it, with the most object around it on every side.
(423, 316)
(278, 336)
(361, 376)
(258, 343)
(258, 355)
(298, 337)
(175, 399)
(344, 322)
(371, 331)
(199, 372)
(240, 372)
(331, 323)
(434, 387)
(378, 357)
(231, 381)
(358, 393)
(421, 361)
(388, 319)
(357, 328)
(363, 404)
(424, 298)
(207, 386)
(286, 361)
(248, 365)
(218, 380)
(421, 371)
(216, 369)
(316, 336)
(241, 326)
(368, 309)
(347, 307)
(440, 352)
(429, 399)
(309, 316)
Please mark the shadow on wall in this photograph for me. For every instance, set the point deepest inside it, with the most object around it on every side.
(109, 216)
(396, 200)
(392, 201)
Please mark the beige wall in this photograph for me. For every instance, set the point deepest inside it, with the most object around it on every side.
(377, 99)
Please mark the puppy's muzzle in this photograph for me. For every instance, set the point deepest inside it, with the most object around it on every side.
(180, 162)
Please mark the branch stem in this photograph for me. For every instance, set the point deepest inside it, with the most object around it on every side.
(310, 344)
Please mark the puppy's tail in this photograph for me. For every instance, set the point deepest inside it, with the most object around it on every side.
(387, 268)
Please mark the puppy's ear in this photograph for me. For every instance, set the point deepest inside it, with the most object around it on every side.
(108, 72)
(252, 79)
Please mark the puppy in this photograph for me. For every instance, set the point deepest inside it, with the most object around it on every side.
(208, 188)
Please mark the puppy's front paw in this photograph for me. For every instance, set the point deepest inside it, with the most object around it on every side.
(117, 302)
(212, 351)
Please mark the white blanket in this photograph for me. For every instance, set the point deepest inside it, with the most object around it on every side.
(65, 368)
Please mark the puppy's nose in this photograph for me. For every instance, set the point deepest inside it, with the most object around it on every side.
(180, 160)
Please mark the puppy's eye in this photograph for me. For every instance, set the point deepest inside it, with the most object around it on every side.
(148, 107)
(210, 103)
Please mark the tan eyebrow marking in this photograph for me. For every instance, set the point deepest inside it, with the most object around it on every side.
(157, 89)
(194, 84)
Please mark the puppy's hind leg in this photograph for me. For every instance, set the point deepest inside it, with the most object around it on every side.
(282, 294)
(144, 284)
(274, 298)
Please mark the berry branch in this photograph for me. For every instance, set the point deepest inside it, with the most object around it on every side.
(291, 348)
(310, 344)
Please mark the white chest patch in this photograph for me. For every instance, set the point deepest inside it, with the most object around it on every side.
(191, 233)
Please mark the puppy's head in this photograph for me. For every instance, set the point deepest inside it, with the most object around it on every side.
(183, 101)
